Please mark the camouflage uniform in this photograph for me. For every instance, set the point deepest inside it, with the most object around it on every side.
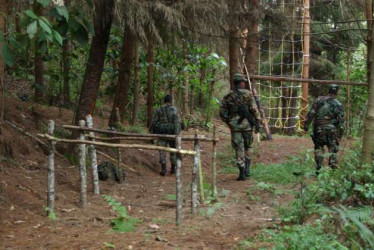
(167, 114)
(241, 134)
(328, 127)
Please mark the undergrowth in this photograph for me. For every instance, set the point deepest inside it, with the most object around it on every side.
(123, 223)
(331, 211)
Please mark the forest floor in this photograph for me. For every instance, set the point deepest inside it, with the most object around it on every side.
(146, 195)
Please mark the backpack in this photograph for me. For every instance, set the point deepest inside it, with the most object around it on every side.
(167, 128)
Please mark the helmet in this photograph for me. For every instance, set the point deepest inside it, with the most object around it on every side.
(333, 89)
(239, 78)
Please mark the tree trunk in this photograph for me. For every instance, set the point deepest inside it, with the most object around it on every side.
(136, 85)
(185, 96)
(192, 100)
(66, 71)
(39, 75)
(368, 138)
(150, 61)
(38, 66)
(233, 43)
(3, 9)
(102, 22)
(122, 92)
(252, 43)
(200, 90)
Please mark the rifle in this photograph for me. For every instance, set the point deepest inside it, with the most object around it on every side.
(243, 112)
(254, 92)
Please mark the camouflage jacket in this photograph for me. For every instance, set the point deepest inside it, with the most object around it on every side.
(164, 115)
(229, 109)
(326, 111)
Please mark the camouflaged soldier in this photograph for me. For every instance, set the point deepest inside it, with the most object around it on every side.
(166, 120)
(327, 115)
(241, 123)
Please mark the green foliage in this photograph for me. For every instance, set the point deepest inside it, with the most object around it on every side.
(51, 215)
(209, 211)
(170, 197)
(123, 223)
(303, 237)
(109, 245)
(283, 173)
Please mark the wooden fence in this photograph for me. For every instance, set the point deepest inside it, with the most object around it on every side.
(98, 141)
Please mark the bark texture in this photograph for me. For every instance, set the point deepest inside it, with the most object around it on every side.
(121, 97)
(150, 61)
(102, 22)
(135, 105)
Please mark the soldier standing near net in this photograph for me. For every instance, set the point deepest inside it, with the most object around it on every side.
(166, 120)
(327, 115)
(238, 111)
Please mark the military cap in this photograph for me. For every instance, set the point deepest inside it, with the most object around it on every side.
(333, 88)
(239, 77)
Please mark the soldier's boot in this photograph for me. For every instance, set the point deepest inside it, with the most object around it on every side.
(241, 174)
(163, 169)
(172, 170)
(319, 165)
(247, 168)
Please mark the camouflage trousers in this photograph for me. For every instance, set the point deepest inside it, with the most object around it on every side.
(325, 136)
(241, 141)
(173, 156)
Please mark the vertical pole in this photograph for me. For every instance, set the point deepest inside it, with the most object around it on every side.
(200, 171)
(214, 171)
(93, 157)
(119, 157)
(194, 178)
(51, 171)
(82, 168)
(305, 70)
(178, 174)
(118, 118)
(348, 111)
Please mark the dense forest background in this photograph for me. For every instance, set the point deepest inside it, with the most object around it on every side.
(99, 56)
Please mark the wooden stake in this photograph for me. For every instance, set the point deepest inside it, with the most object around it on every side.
(200, 170)
(194, 178)
(214, 171)
(348, 101)
(82, 167)
(93, 157)
(51, 171)
(178, 181)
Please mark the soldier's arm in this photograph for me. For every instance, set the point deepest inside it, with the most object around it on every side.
(155, 119)
(310, 116)
(340, 121)
(223, 111)
(176, 121)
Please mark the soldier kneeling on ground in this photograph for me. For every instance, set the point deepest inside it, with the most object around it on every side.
(109, 171)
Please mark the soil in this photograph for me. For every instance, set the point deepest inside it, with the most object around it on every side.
(23, 184)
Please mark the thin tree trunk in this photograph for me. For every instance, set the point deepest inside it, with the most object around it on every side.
(200, 90)
(233, 43)
(102, 23)
(368, 138)
(150, 61)
(185, 96)
(38, 66)
(252, 42)
(305, 71)
(136, 85)
(3, 9)
(123, 85)
(192, 100)
(66, 71)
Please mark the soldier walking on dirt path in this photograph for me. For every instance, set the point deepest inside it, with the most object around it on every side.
(166, 120)
(238, 111)
(328, 119)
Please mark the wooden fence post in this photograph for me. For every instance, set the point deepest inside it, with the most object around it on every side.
(93, 157)
(82, 167)
(200, 171)
(179, 182)
(194, 178)
(51, 171)
(214, 171)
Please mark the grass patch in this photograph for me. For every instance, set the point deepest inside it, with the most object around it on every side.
(284, 173)
(209, 211)
(170, 197)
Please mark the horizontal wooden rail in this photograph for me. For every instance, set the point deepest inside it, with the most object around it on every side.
(138, 136)
(291, 79)
(115, 145)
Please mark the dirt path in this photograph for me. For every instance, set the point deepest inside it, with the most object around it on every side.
(23, 198)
